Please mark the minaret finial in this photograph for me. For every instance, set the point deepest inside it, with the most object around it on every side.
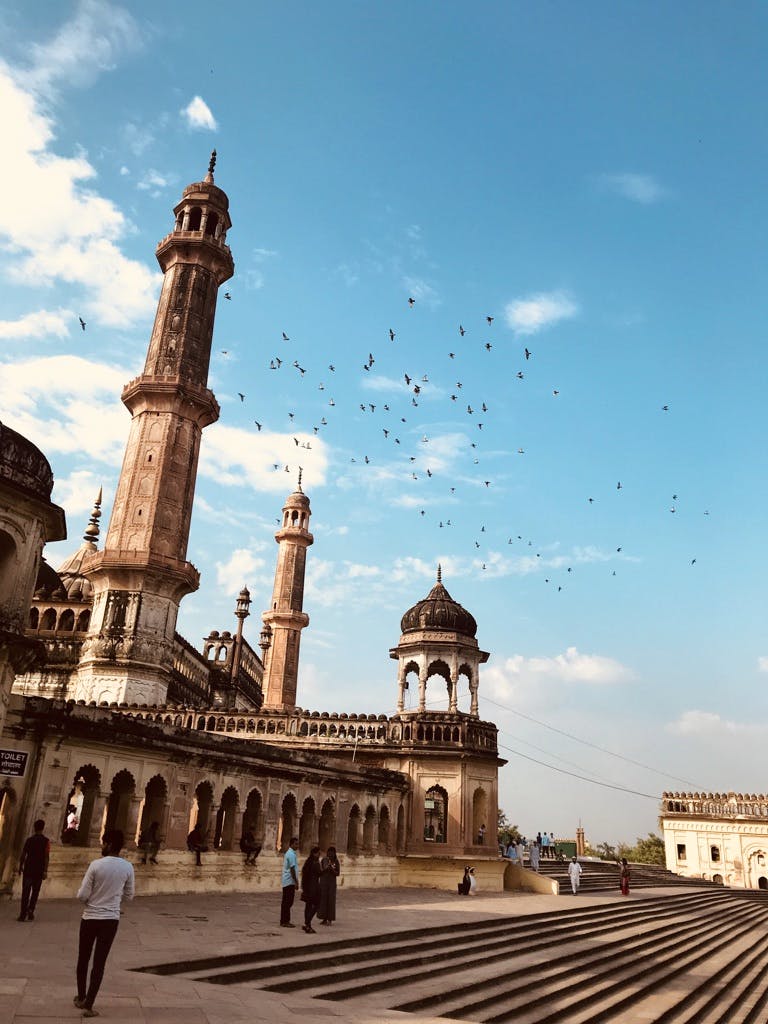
(439, 573)
(92, 529)
(298, 486)
(211, 166)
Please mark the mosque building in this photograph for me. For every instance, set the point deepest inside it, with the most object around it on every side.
(122, 722)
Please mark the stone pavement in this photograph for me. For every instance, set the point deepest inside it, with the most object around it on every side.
(37, 960)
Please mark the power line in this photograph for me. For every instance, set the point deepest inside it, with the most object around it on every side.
(583, 778)
(595, 746)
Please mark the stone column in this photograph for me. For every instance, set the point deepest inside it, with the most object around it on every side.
(96, 826)
(423, 688)
(473, 708)
(453, 694)
(132, 819)
(401, 691)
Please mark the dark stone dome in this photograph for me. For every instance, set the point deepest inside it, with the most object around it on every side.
(438, 610)
(48, 585)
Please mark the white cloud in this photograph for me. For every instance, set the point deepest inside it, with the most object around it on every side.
(532, 314)
(67, 404)
(762, 664)
(198, 115)
(89, 44)
(518, 677)
(57, 229)
(43, 323)
(76, 494)
(640, 188)
(231, 455)
(244, 568)
(153, 181)
(709, 724)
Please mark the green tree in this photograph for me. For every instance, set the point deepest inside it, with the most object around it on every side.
(506, 832)
(605, 851)
(648, 851)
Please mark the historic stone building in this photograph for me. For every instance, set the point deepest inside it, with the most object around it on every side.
(719, 837)
(128, 723)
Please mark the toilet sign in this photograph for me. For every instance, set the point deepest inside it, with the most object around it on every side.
(13, 762)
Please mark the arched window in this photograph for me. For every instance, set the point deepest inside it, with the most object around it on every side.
(224, 834)
(202, 807)
(369, 829)
(353, 831)
(83, 621)
(288, 817)
(383, 843)
(34, 618)
(48, 620)
(436, 815)
(211, 223)
(119, 803)
(154, 807)
(307, 825)
(81, 800)
(327, 836)
(253, 817)
(479, 815)
(195, 218)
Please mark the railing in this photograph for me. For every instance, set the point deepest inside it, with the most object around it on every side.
(326, 729)
(731, 805)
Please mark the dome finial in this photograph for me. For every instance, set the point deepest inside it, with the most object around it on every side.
(439, 573)
(92, 529)
(211, 167)
(298, 485)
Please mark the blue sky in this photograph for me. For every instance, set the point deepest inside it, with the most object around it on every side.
(590, 176)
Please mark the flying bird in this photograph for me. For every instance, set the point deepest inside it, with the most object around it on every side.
(527, 354)
(227, 295)
(82, 322)
(391, 334)
(462, 332)
(488, 346)
(242, 396)
(411, 301)
(285, 337)
(489, 319)
(258, 425)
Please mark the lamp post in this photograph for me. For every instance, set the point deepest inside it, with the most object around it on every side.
(242, 611)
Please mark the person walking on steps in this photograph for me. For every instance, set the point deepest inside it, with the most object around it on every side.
(33, 868)
(574, 873)
(106, 883)
(624, 877)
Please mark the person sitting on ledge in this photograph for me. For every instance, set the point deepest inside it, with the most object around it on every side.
(249, 846)
(464, 884)
(196, 844)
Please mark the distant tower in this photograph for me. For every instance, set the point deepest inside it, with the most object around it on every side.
(142, 573)
(285, 617)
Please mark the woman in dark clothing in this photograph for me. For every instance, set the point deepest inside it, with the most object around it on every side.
(330, 869)
(624, 877)
(310, 887)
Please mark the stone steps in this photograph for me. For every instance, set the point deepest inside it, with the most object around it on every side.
(698, 957)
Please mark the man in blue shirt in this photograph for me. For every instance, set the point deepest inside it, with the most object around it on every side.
(289, 881)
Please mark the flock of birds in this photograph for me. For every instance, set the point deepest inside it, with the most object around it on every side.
(420, 460)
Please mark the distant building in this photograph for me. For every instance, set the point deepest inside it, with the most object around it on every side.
(719, 837)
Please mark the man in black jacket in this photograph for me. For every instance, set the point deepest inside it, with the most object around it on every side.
(33, 868)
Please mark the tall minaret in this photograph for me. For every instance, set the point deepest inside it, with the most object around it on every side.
(142, 573)
(285, 616)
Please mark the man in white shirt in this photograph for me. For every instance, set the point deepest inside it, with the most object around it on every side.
(105, 884)
(574, 873)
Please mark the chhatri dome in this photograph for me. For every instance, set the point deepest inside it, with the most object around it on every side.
(78, 586)
(439, 611)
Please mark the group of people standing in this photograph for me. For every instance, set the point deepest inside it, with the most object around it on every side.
(317, 886)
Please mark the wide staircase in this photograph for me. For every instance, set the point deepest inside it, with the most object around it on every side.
(603, 876)
(694, 957)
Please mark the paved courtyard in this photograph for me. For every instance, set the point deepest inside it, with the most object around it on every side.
(38, 958)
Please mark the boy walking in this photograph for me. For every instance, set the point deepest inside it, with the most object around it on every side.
(105, 884)
(33, 868)
(289, 881)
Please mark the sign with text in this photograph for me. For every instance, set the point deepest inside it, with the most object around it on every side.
(13, 762)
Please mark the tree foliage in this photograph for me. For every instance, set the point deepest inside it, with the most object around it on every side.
(506, 831)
